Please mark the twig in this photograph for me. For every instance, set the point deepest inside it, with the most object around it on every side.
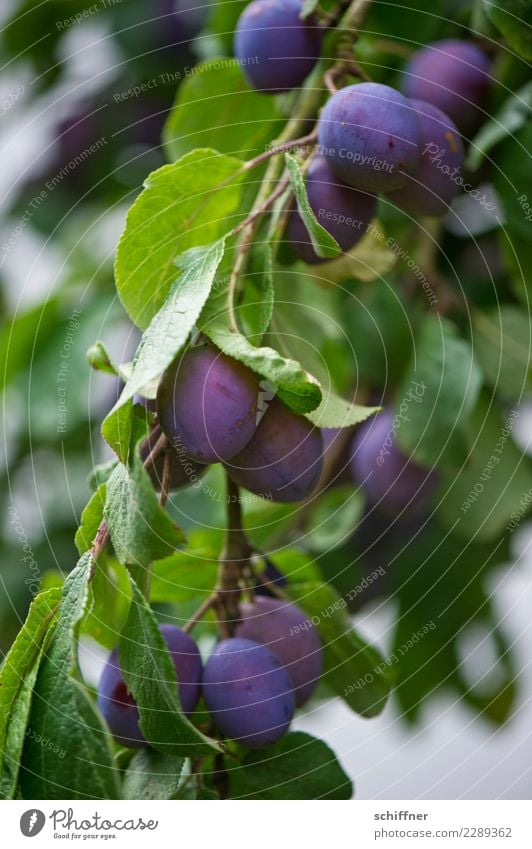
(281, 148)
(264, 206)
(167, 474)
(210, 601)
(157, 449)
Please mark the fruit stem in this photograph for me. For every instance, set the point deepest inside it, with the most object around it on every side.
(355, 15)
(167, 473)
(234, 559)
(281, 186)
(282, 147)
(209, 602)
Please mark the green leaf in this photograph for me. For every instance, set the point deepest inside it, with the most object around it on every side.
(186, 575)
(322, 241)
(17, 679)
(216, 108)
(503, 345)
(380, 328)
(99, 359)
(514, 19)
(297, 767)
(438, 392)
(68, 754)
(371, 258)
(184, 205)
(479, 499)
(101, 474)
(309, 6)
(353, 669)
(509, 119)
(407, 22)
(140, 529)
(256, 306)
(90, 520)
(22, 337)
(108, 602)
(333, 516)
(336, 412)
(298, 389)
(152, 775)
(117, 429)
(149, 673)
(444, 587)
(165, 336)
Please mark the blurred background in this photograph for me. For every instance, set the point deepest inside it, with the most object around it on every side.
(84, 93)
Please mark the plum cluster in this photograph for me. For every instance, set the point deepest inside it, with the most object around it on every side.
(251, 683)
(372, 138)
(211, 409)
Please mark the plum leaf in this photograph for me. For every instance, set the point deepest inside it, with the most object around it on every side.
(165, 336)
(297, 767)
(152, 775)
(62, 712)
(153, 685)
(298, 389)
(437, 394)
(182, 206)
(141, 530)
(322, 241)
(17, 679)
(215, 107)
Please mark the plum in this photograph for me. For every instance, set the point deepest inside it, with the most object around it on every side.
(277, 49)
(283, 460)
(389, 478)
(341, 210)
(248, 692)
(452, 75)
(118, 706)
(287, 631)
(207, 405)
(436, 181)
(370, 136)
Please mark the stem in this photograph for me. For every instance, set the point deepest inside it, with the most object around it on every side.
(281, 148)
(157, 449)
(282, 185)
(209, 602)
(355, 15)
(234, 559)
(167, 474)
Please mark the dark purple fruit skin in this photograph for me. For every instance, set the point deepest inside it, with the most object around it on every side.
(389, 479)
(286, 630)
(370, 136)
(278, 50)
(248, 693)
(284, 459)
(436, 181)
(341, 210)
(207, 405)
(452, 75)
(118, 706)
